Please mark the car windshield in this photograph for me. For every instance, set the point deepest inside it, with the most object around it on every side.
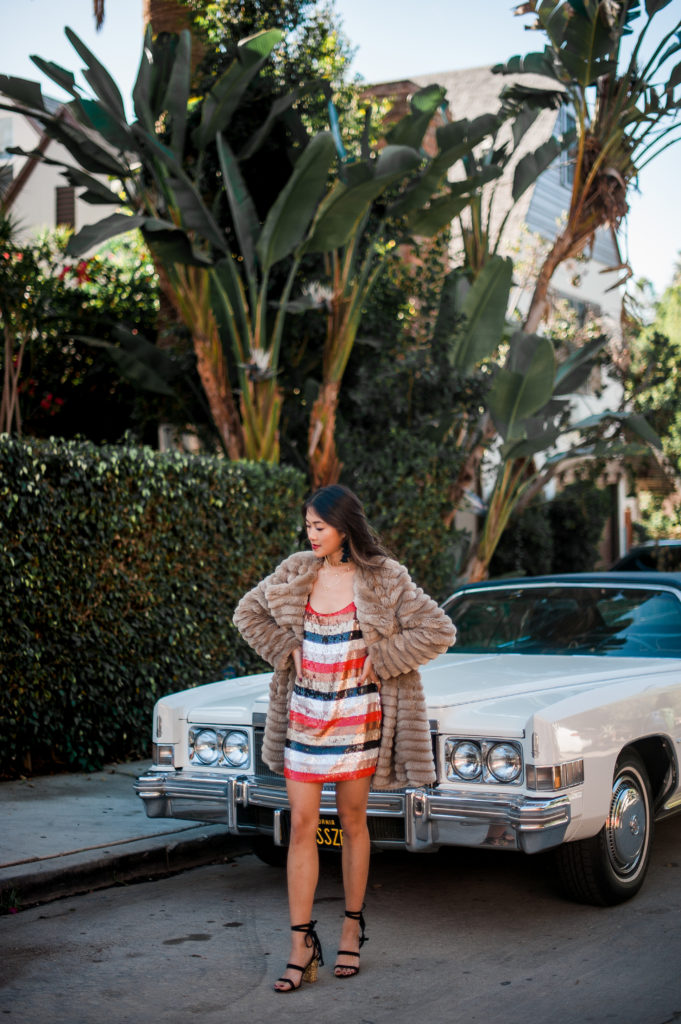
(609, 621)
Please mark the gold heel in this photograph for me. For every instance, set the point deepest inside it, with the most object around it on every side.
(309, 971)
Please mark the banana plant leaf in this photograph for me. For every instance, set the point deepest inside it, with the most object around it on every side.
(437, 215)
(153, 75)
(633, 421)
(409, 130)
(110, 128)
(531, 445)
(346, 205)
(574, 371)
(60, 76)
(172, 245)
(533, 164)
(653, 6)
(224, 97)
(455, 141)
(289, 218)
(177, 93)
(242, 207)
(483, 306)
(280, 106)
(93, 235)
(530, 63)
(25, 92)
(584, 42)
(97, 190)
(524, 386)
(98, 77)
(138, 361)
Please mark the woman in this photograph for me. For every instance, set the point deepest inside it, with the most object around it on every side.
(345, 629)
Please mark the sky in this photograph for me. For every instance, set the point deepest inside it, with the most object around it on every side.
(394, 39)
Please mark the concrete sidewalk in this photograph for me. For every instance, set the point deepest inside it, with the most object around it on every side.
(65, 834)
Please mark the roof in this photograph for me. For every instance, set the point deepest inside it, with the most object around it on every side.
(475, 91)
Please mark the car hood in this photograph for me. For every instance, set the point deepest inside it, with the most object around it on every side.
(511, 684)
(470, 678)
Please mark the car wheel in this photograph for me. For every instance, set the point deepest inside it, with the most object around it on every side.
(266, 851)
(611, 866)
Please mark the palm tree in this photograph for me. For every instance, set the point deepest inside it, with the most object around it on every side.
(162, 15)
(625, 109)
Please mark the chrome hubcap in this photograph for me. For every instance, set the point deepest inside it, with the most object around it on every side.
(627, 829)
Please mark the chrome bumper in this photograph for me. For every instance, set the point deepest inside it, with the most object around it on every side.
(431, 817)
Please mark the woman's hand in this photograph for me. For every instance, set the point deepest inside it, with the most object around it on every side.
(297, 656)
(368, 674)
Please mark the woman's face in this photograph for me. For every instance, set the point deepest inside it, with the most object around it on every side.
(325, 540)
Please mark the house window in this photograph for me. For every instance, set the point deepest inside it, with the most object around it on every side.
(66, 206)
(566, 123)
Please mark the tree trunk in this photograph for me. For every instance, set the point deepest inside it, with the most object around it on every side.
(469, 471)
(218, 392)
(325, 467)
(172, 16)
(189, 298)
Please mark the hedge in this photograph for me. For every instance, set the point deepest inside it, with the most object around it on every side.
(120, 570)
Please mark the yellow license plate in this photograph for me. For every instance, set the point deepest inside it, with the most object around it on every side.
(329, 833)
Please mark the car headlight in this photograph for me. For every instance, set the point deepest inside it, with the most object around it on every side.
(483, 761)
(219, 745)
(504, 763)
(466, 760)
(206, 746)
(235, 749)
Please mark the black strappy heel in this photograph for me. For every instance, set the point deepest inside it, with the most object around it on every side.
(309, 972)
(351, 971)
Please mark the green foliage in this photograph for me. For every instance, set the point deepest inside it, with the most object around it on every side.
(525, 548)
(67, 323)
(402, 410)
(561, 535)
(120, 571)
(652, 376)
(578, 515)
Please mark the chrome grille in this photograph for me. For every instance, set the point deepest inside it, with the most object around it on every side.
(261, 769)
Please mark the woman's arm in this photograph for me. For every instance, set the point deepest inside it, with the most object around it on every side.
(423, 631)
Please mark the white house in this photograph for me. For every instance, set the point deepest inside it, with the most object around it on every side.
(589, 285)
(36, 194)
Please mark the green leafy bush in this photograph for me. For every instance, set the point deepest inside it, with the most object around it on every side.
(121, 568)
(561, 535)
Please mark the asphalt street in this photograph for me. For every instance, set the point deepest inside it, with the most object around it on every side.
(461, 936)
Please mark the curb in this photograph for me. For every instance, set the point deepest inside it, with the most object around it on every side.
(80, 873)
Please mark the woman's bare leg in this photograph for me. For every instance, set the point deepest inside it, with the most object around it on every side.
(302, 867)
(352, 797)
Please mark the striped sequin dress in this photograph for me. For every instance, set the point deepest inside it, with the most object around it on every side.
(334, 725)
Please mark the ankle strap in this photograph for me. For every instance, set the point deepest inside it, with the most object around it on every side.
(311, 939)
(309, 927)
(357, 915)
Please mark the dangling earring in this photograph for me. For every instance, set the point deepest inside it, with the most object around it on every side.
(346, 551)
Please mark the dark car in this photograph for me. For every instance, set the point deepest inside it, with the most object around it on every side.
(653, 556)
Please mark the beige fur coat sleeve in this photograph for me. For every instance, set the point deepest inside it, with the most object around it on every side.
(403, 629)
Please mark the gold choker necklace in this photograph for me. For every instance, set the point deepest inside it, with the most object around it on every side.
(339, 567)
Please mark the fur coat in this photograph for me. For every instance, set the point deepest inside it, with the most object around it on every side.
(403, 628)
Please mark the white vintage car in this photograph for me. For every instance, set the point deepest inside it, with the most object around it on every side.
(556, 723)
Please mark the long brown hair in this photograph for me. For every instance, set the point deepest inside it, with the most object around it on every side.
(341, 508)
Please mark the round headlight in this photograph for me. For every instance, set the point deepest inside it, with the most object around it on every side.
(503, 761)
(206, 746)
(466, 760)
(235, 748)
